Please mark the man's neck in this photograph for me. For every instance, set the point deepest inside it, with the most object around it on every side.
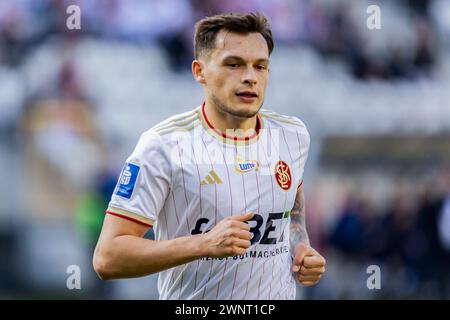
(229, 124)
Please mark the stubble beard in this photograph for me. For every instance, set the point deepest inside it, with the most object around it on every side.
(224, 109)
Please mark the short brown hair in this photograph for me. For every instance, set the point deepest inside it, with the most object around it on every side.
(207, 29)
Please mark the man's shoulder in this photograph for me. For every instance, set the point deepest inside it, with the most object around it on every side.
(185, 121)
(275, 119)
(164, 134)
(291, 127)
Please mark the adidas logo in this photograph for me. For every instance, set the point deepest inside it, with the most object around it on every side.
(211, 178)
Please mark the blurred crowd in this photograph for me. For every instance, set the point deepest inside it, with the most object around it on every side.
(407, 50)
(408, 238)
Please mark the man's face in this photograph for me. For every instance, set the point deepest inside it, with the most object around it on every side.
(236, 73)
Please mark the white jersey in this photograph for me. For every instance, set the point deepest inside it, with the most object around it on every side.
(184, 177)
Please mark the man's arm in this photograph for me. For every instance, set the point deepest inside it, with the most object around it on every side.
(308, 263)
(122, 252)
(298, 233)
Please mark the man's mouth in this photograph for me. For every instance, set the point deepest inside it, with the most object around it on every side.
(247, 94)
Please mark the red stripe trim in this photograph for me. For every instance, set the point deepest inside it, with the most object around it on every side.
(128, 218)
(258, 127)
(301, 182)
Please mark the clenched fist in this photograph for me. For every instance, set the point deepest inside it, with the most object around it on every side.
(230, 237)
(308, 265)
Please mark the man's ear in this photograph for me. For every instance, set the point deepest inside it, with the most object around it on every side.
(197, 71)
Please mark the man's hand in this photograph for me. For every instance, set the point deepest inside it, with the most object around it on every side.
(308, 264)
(229, 237)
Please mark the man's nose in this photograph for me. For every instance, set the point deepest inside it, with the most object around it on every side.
(249, 77)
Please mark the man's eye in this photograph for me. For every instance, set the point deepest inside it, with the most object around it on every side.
(233, 65)
(260, 67)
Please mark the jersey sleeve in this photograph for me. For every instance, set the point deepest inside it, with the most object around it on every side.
(144, 182)
(304, 140)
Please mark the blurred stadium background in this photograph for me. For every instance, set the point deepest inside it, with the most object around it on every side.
(376, 102)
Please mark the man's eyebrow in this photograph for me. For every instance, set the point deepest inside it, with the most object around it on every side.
(233, 58)
(237, 58)
(263, 60)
